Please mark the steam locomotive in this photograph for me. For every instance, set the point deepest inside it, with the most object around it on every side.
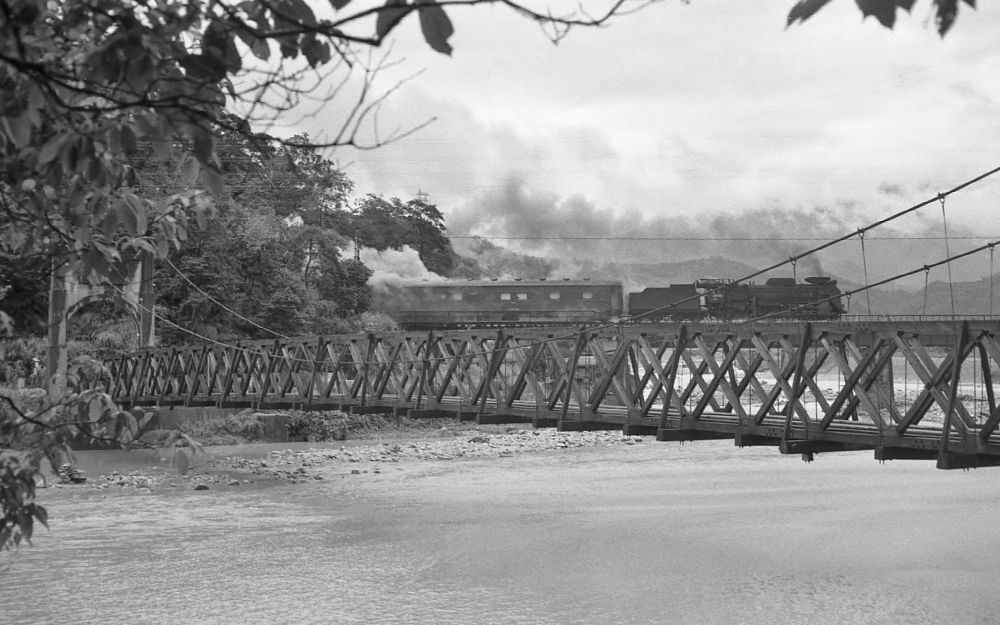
(479, 303)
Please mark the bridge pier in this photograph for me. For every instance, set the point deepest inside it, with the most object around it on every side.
(672, 435)
(586, 426)
(905, 453)
(637, 429)
(501, 419)
(809, 448)
(952, 460)
(756, 440)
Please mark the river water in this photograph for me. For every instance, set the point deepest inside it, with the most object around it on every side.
(652, 533)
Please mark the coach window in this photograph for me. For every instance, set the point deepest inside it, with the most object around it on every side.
(588, 295)
(444, 296)
(554, 295)
(522, 297)
(456, 295)
(505, 297)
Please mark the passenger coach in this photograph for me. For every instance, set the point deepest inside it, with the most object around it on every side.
(478, 303)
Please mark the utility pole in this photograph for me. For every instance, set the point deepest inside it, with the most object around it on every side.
(147, 300)
(56, 362)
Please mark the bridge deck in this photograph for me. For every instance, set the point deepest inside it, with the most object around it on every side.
(904, 389)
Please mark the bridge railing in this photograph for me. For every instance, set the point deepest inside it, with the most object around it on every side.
(922, 389)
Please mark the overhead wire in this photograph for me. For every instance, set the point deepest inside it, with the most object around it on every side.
(605, 326)
(220, 304)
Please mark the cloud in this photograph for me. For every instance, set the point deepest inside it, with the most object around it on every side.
(701, 119)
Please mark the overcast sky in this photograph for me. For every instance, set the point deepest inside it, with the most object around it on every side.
(688, 113)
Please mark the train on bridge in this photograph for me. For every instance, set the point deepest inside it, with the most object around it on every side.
(485, 303)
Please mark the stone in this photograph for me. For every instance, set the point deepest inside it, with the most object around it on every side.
(201, 487)
(355, 472)
(233, 483)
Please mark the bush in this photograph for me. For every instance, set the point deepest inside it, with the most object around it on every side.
(23, 358)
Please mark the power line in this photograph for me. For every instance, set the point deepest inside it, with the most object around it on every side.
(748, 239)
(220, 304)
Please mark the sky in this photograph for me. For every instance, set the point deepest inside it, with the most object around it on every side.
(706, 120)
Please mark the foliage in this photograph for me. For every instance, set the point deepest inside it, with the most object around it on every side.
(270, 263)
(382, 224)
(26, 295)
(18, 510)
(945, 11)
(22, 359)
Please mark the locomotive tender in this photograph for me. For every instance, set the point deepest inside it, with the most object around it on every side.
(479, 303)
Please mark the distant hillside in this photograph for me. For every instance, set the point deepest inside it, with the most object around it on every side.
(638, 276)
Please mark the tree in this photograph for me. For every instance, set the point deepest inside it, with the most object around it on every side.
(382, 224)
(945, 11)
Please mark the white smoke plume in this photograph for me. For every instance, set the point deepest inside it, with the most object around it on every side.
(391, 268)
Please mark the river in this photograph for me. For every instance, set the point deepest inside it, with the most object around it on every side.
(650, 533)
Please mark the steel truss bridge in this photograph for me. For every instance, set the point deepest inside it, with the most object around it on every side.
(904, 389)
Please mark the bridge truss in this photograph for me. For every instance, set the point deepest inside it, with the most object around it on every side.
(906, 390)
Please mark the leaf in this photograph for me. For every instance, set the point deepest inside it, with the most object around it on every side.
(804, 9)
(18, 129)
(110, 224)
(436, 25)
(189, 171)
(301, 12)
(139, 210)
(41, 514)
(114, 138)
(126, 217)
(162, 248)
(50, 150)
(201, 217)
(944, 15)
(216, 185)
(885, 10)
(129, 143)
(96, 411)
(389, 16)
(204, 146)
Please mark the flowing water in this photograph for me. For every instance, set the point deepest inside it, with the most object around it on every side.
(654, 533)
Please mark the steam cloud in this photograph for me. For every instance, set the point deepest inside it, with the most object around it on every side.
(540, 223)
(391, 268)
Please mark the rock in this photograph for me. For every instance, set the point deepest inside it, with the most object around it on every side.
(201, 487)
(233, 483)
(355, 472)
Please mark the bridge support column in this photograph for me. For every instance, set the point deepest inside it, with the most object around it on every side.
(954, 460)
